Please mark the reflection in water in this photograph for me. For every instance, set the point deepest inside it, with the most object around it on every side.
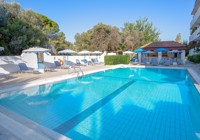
(131, 75)
(85, 80)
(97, 77)
(33, 91)
(36, 103)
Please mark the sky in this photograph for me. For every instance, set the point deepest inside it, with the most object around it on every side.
(76, 16)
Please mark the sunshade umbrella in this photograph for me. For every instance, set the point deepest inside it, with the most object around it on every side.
(1, 48)
(67, 52)
(161, 50)
(140, 50)
(85, 52)
(160, 54)
(149, 52)
(36, 50)
(97, 53)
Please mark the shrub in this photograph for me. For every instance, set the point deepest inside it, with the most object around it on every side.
(195, 58)
(116, 59)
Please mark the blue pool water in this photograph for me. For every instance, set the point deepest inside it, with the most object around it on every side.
(125, 103)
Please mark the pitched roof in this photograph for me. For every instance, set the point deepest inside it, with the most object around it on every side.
(171, 45)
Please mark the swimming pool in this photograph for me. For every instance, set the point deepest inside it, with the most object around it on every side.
(125, 103)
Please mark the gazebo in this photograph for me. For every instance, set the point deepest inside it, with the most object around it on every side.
(40, 58)
(168, 45)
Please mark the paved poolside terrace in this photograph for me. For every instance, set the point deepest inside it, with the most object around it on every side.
(16, 127)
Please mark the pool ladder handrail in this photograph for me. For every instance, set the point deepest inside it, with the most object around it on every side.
(79, 71)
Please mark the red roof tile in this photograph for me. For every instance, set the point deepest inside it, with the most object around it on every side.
(170, 45)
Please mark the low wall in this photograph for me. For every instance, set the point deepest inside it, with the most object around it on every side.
(9, 64)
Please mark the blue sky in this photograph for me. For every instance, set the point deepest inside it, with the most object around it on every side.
(75, 16)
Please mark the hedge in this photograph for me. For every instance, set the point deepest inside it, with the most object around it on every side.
(194, 58)
(116, 59)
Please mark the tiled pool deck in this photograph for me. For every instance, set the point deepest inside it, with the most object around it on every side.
(16, 127)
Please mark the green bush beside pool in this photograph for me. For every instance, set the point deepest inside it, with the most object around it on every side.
(116, 59)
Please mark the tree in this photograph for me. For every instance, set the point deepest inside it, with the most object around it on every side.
(139, 33)
(178, 38)
(101, 37)
(151, 33)
(131, 38)
(83, 41)
(21, 29)
(114, 39)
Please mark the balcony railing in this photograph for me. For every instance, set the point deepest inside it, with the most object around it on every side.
(195, 36)
(195, 18)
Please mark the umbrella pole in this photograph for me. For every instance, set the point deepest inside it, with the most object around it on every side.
(67, 59)
(37, 60)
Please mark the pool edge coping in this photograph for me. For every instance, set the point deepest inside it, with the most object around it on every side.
(32, 130)
(65, 77)
(51, 133)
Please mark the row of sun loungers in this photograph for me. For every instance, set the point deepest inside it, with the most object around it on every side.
(23, 68)
(154, 61)
(86, 62)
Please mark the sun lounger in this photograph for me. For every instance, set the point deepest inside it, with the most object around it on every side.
(49, 67)
(58, 65)
(89, 61)
(154, 62)
(2, 75)
(167, 62)
(144, 61)
(134, 61)
(162, 61)
(23, 68)
(179, 62)
(79, 63)
(95, 61)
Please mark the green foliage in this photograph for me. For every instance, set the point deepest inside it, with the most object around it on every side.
(109, 38)
(150, 33)
(83, 41)
(21, 29)
(195, 58)
(49, 26)
(101, 37)
(116, 59)
(139, 33)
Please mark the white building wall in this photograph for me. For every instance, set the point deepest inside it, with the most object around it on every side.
(195, 23)
(30, 59)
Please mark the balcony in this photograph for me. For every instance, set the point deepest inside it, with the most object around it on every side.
(196, 19)
(196, 35)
